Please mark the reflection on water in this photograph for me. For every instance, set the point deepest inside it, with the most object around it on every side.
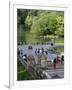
(28, 38)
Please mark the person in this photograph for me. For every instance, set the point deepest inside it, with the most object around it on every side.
(46, 52)
(25, 57)
(42, 50)
(58, 59)
(18, 52)
(36, 52)
(54, 63)
(62, 59)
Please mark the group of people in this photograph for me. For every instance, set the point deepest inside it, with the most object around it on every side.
(58, 60)
(41, 51)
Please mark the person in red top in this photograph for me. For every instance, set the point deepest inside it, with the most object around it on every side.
(58, 59)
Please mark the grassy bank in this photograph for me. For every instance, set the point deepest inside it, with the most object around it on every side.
(59, 49)
(22, 73)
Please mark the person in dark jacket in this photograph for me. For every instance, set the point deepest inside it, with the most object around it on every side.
(18, 52)
(54, 63)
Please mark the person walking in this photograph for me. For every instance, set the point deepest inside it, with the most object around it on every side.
(54, 63)
(18, 52)
(42, 50)
(36, 52)
(58, 59)
(46, 52)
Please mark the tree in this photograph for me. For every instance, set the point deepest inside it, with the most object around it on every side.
(45, 24)
(60, 26)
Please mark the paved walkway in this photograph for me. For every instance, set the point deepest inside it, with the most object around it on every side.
(25, 50)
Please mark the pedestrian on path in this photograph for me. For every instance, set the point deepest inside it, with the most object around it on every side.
(58, 60)
(18, 52)
(54, 63)
(36, 52)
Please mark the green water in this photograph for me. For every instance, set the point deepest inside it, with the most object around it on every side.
(27, 38)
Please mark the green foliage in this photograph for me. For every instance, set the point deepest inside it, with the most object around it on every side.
(22, 73)
(39, 23)
(59, 49)
(60, 26)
